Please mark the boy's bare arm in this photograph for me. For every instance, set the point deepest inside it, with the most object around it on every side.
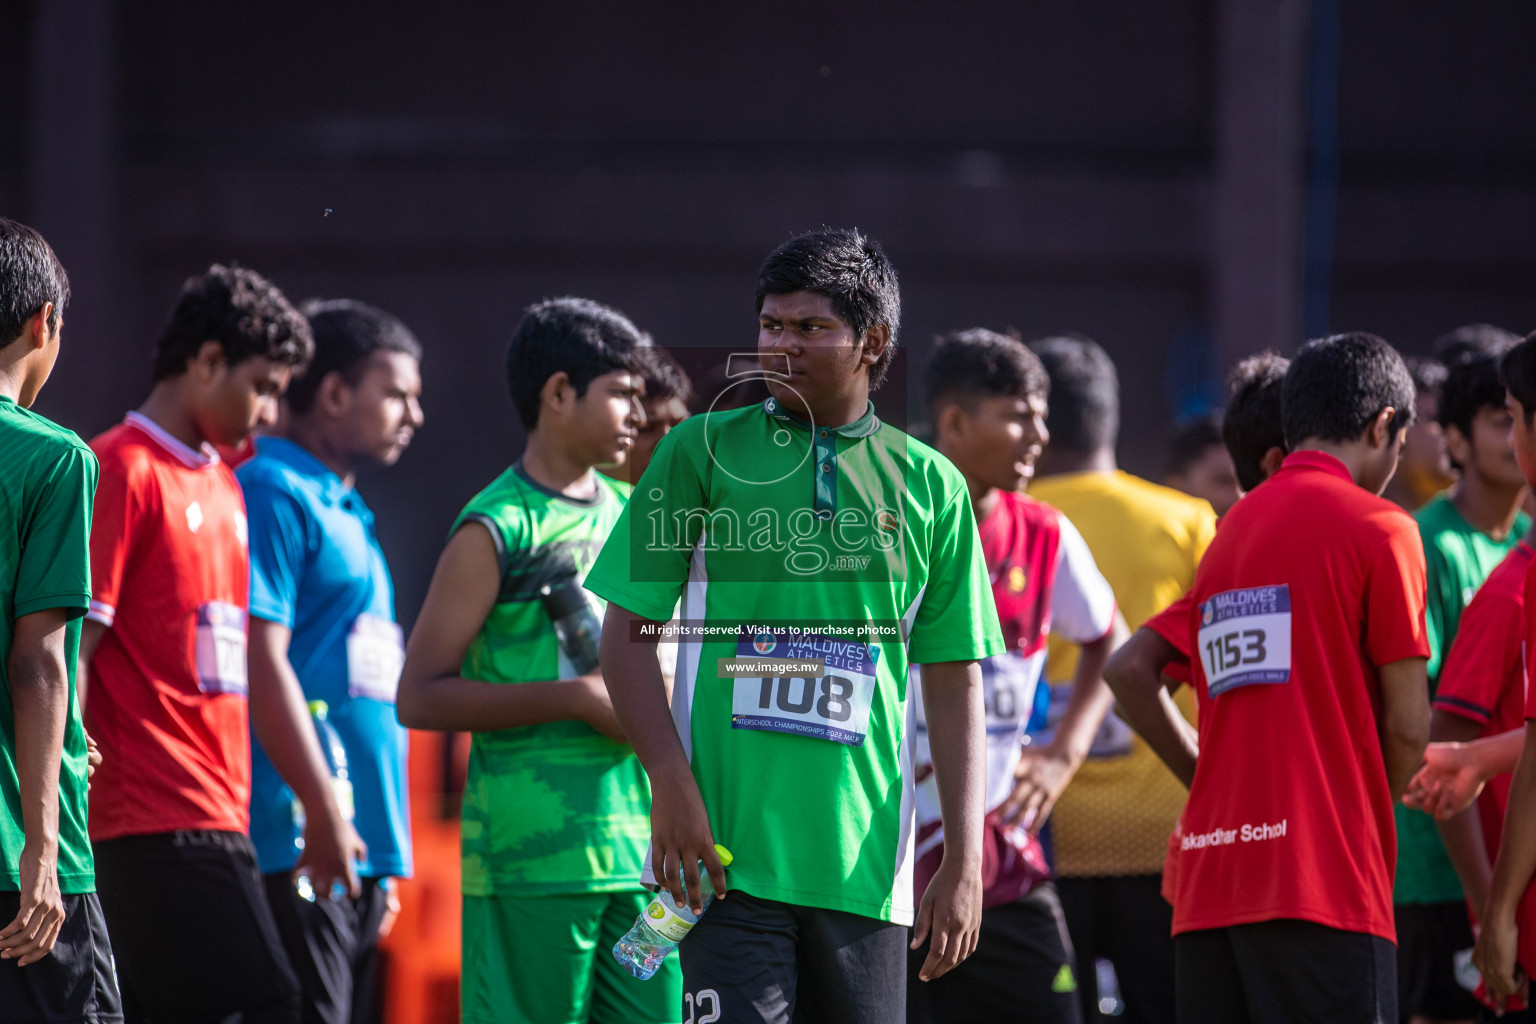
(433, 695)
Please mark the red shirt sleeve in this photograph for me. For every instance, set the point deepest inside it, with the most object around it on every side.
(120, 497)
(1173, 624)
(1486, 648)
(1395, 598)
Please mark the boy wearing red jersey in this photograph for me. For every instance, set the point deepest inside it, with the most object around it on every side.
(1310, 638)
(987, 396)
(166, 648)
(1505, 949)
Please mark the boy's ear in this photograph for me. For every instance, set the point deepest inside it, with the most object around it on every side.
(949, 420)
(1377, 434)
(557, 391)
(876, 340)
(1270, 463)
(1457, 445)
(208, 361)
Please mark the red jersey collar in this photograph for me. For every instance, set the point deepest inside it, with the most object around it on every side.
(192, 458)
(1312, 459)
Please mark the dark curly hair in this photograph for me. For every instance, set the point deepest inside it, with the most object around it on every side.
(242, 311)
(31, 276)
(850, 269)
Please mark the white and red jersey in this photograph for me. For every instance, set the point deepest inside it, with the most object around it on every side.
(1043, 580)
(167, 694)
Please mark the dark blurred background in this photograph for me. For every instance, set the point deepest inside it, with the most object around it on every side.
(1186, 181)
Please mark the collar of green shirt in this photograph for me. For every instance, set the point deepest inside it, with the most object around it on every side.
(824, 443)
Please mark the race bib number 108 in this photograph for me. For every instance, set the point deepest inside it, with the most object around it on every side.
(1245, 638)
(834, 707)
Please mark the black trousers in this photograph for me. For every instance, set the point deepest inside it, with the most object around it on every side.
(1285, 972)
(193, 935)
(334, 949)
(1022, 970)
(72, 983)
(751, 960)
(1125, 920)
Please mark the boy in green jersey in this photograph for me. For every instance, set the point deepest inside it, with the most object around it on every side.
(55, 959)
(816, 551)
(1467, 531)
(556, 805)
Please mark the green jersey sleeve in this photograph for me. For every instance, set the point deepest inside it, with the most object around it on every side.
(956, 618)
(644, 563)
(55, 569)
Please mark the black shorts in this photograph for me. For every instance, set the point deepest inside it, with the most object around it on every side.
(334, 949)
(73, 983)
(1125, 920)
(750, 959)
(1022, 970)
(1430, 939)
(1285, 972)
(191, 929)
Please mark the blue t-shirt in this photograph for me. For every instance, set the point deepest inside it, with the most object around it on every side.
(316, 568)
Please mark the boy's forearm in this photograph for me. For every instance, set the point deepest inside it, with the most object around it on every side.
(1517, 847)
(1134, 673)
(39, 683)
(956, 718)
(280, 719)
(1462, 833)
(640, 697)
(456, 704)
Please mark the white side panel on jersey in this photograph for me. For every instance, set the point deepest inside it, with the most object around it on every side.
(685, 682)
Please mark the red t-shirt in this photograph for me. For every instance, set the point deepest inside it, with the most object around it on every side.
(1310, 584)
(167, 695)
(1484, 674)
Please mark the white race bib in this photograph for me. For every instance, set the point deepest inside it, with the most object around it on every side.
(375, 655)
(1245, 638)
(834, 707)
(220, 649)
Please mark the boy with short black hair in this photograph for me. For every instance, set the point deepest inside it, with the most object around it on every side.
(323, 630)
(1467, 531)
(667, 394)
(167, 686)
(55, 957)
(1425, 468)
(505, 647)
(987, 398)
(1310, 635)
(803, 527)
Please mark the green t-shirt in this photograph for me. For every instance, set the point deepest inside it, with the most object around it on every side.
(759, 523)
(555, 808)
(1459, 558)
(45, 529)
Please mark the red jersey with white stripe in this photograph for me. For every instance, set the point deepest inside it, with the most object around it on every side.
(1043, 580)
(166, 699)
(1309, 586)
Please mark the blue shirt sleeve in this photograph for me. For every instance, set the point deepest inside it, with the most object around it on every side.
(279, 541)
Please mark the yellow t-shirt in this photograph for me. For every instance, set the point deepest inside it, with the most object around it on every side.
(1117, 813)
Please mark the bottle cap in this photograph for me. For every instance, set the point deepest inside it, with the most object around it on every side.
(724, 855)
(319, 708)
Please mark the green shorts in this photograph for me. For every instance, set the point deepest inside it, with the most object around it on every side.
(549, 960)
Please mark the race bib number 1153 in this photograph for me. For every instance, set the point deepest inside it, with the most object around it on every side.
(1245, 638)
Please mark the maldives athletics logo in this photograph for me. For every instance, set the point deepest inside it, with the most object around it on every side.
(764, 644)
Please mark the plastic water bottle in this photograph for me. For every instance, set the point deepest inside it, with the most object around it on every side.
(341, 784)
(662, 925)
